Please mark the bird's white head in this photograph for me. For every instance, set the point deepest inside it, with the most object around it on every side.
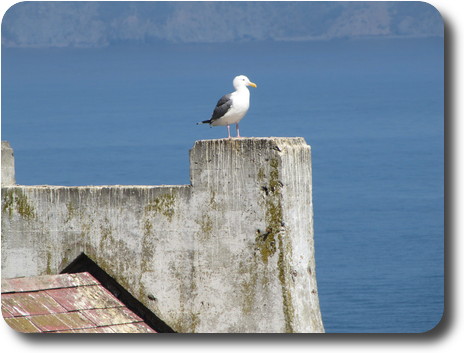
(242, 81)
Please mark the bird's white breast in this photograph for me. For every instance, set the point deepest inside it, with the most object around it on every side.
(238, 109)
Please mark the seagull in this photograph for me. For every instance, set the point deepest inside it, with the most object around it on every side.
(232, 107)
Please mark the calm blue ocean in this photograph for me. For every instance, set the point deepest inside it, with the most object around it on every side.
(371, 109)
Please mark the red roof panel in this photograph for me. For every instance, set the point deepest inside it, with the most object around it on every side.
(139, 327)
(75, 303)
(22, 324)
(103, 317)
(85, 297)
(39, 283)
(63, 321)
(101, 329)
(30, 303)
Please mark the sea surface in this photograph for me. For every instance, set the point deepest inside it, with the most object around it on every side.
(372, 111)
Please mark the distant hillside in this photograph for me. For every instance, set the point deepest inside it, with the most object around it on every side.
(94, 24)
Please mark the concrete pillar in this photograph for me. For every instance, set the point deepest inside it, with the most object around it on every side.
(232, 252)
(8, 168)
(258, 248)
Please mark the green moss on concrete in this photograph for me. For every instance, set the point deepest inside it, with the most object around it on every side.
(147, 228)
(48, 270)
(194, 322)
(261, 176)
(147, 251)
(106, 233)
(85, 229)
(146, 258)
(187, 318)
(163, 204)
(8, 202)
(212, 201)
(265, 243)
(274, 182)
(266, 240)
(15, 200)
(71, 212)
(249, 285)
(206, 227)
(271, 241)
(284, 273)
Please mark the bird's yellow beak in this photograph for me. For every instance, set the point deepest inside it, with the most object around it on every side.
(252, 84)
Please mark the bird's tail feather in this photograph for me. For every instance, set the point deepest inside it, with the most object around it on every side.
(204, 122)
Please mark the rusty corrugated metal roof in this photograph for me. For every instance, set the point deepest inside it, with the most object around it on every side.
(65, 303)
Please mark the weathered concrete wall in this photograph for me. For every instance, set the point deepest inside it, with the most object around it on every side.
(8, 168)
(232, 252)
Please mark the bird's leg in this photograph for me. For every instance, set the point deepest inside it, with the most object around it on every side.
(238, 131)
(228, 131)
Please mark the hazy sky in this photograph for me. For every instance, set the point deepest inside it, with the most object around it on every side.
(95, 24)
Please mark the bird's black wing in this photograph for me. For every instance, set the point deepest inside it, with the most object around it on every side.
(222, 107)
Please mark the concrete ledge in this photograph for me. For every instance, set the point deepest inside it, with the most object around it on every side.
(232, 252)
(8, 167)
